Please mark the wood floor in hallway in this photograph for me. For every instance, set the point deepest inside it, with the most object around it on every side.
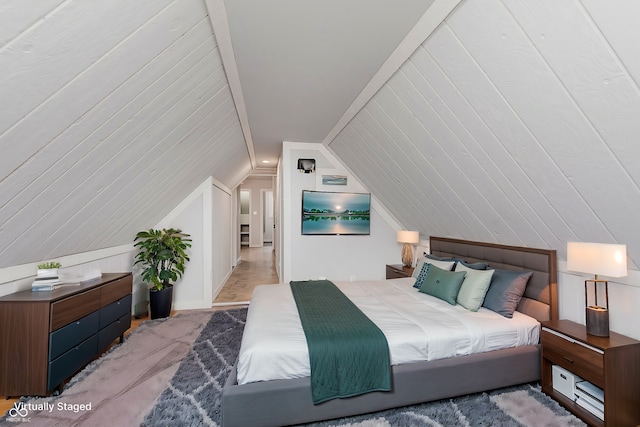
(257, 268)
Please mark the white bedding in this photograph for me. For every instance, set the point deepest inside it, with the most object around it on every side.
(417, 327)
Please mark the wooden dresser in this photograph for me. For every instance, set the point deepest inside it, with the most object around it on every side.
(45, 337)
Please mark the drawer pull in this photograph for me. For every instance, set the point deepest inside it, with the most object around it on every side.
(568, 359)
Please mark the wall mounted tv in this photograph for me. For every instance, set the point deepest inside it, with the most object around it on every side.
(325, 212)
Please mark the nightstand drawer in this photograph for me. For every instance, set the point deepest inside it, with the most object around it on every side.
(581, 360)
(398, 271)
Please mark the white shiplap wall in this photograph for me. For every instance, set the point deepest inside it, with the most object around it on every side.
(514, 122)
(111, 113)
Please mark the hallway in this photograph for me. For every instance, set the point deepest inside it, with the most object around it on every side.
(257, 268)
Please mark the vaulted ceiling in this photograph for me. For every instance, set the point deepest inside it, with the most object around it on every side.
(511, 121)
(514, 122)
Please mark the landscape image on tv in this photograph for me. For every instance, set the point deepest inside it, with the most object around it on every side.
(335, 213)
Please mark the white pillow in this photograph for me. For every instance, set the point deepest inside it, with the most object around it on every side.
(445, 265)
(474, 288)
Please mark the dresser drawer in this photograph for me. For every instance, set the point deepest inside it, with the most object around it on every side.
(115, 310)
(73, 334)
(115, 290)
(64, 366)
(583, 361)
(108, 334)
(73, 308)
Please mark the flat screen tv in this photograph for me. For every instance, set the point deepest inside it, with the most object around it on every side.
(325, 212)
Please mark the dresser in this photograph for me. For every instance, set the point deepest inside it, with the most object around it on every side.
(45, 337)
(611, 363)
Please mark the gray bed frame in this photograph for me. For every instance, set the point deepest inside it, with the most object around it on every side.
(288, 402)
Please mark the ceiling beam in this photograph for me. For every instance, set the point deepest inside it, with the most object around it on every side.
(432, 18)
(220, 24)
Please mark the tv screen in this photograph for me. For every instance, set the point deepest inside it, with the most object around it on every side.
(326, 212)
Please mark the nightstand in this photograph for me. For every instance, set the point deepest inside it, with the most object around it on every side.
(611, 363)
(395, 271)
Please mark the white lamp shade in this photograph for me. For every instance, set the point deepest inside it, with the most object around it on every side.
(597, 258)
(405, 236)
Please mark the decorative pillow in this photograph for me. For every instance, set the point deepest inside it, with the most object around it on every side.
(443, 284)
(423, 273)
(439, 258)
(475, 266)
(506, 290)
(445, 265)
(474, 287)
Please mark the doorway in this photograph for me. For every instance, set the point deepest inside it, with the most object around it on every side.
(245, 217)
(266, 200)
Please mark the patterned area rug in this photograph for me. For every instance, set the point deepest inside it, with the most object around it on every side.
(516, 406)
(193, 395)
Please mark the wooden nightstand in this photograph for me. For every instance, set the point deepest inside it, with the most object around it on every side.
(611, 363)
(395, 271)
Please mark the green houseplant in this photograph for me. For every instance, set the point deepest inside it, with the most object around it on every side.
(48, 269)
(162, 254)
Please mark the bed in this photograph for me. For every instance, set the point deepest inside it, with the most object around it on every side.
(278, 402)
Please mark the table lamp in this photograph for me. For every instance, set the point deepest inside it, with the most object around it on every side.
(597, 258)
(408, 238)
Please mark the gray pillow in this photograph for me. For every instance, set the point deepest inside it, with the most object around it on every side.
(475, 266)
(443, 284)
(439, 258)
(506, 290)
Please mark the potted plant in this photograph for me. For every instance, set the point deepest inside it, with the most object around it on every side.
(162, 256)
(48, 269)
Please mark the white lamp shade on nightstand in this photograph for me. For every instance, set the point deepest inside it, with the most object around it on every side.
(604, 259)
(598, 259)
(405, 236)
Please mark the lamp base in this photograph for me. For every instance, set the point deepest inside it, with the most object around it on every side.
(407, 255)
(597, 321)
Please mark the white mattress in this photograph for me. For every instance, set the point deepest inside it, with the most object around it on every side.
(417, 327)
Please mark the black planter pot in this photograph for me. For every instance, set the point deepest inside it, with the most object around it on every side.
(160, 302)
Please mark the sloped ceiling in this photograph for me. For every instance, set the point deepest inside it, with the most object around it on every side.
(514, 122)
(111, 113)
(302, 63)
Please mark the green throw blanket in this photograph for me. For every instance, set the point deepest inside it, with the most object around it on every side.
(348, 353)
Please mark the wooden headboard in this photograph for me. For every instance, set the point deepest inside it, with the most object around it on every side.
(540, 299)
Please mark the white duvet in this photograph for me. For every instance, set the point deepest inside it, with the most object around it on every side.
(417, 327)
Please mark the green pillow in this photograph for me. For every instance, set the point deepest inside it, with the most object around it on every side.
(474, 288)
(443, 284)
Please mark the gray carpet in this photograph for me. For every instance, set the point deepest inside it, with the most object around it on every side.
(193, 395)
